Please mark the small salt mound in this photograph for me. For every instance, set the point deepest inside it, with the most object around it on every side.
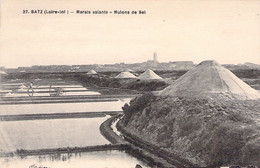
(210, 79)
(92, 72)
(125, 75)
(8, 94)
(129, 70)
(22, 90)
(22, 87)
(149, 74)
(3, 73)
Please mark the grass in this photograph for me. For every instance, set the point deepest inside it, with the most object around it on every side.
(205, 132)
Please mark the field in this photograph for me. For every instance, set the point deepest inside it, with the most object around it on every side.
(199, 131)
(104, 80)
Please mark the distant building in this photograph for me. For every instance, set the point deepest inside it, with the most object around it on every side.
(155, 58)
(152, 63)
(182, 62)
(181, 65)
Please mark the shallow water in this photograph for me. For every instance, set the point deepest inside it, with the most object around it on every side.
(80, 93)
(113, 126)
(58, 133)
(23, 93)
(63, 86)
(10, 94)
(62, 107)
(12, 84)
(55, 133)
(74, 88)
(21, 90)
(100, 159)
(15, 86)
(46, 89)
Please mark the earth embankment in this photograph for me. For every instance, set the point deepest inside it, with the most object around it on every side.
(202, 131)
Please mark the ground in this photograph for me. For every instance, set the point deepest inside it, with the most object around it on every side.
(204, 132)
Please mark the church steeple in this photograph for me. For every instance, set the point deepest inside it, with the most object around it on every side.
(155, 58)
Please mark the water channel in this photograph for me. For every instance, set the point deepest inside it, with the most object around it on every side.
(60, 133)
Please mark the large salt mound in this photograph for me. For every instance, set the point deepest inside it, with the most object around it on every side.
(210, 79)
(92, 72)
(149, 74)
(125, 75)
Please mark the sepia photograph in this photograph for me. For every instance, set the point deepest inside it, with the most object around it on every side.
(130, 84)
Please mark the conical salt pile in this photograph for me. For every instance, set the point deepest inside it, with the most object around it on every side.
(22, 87)
(3, 73)
(8, 94)
(125, 75)
(22, 90)
(212, 80)
(149, 74)
(129, 70)
(92, 72)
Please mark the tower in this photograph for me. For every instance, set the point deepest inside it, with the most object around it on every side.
(155, 59)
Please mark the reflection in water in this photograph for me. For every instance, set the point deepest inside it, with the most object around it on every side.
(100, 159)
(55, 133)
(23, 93)
(113, 126)
(47, 89)
(62, 107)
(63, 86)
(81, 93)
(40, 134)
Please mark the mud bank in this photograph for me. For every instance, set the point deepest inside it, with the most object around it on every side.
(137, 151)
(57, 116)
(23, 152)
(62, 99)
(57, 101)
(68, 97)
(108, 133)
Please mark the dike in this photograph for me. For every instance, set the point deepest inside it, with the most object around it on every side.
(23, 152)
(169, 157)
(132, 149)
(108, 133)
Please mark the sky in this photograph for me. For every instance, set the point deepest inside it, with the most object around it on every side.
(227, 31)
